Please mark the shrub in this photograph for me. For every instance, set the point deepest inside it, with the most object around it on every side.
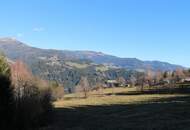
(58, 93)
(33, 108)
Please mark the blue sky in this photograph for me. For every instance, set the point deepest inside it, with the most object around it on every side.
(145, 29)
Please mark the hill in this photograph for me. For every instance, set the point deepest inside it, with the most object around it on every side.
(68, 66)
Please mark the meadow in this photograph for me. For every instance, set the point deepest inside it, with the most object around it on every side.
(123, 110)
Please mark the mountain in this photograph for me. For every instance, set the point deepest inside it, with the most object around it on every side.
(68, 66)
(17, 50)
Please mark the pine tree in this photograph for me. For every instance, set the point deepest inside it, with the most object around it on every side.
(6, 96)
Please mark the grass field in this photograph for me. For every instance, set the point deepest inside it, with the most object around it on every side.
(123, 111)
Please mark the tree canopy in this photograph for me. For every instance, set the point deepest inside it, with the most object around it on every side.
(4, 67)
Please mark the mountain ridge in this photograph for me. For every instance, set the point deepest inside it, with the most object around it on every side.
(97, 57)
(67, 67)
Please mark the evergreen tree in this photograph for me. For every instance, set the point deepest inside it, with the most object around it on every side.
(6, 96)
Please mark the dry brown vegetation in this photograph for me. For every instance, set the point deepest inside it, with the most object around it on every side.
(23, 104)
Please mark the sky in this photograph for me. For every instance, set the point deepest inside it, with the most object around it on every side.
(144, 29)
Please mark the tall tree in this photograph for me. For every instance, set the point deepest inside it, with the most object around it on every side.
(20, 72)
(21, 77)
(132, 80)
(4, 67)
(158, 77)
(6, 95)
(149, 77)
(179, 74)
(141, 80)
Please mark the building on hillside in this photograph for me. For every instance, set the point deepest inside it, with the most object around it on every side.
(112, 83)
(166, 81)
(186, 80)
(115, 83)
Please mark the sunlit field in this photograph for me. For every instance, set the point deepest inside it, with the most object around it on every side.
(123, 110)
(109, 97)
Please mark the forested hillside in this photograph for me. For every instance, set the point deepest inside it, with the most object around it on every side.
(67, 67)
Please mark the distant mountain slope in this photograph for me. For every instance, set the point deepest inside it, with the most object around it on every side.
(17, 50)
(68, 66)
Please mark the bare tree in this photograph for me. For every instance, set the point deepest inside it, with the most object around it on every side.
(21, 77)
(83, 86)
(158, 77)
(179, 74)
(32, 105)
(149, 77)
(171, 79)
(132, 80)
(141, 81)
(121, 81)
(100, 87)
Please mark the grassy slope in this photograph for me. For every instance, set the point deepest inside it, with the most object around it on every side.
(148, 112)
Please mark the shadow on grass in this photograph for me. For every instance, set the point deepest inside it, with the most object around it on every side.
(164, 114)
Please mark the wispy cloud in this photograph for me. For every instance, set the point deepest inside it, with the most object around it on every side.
(38, 29)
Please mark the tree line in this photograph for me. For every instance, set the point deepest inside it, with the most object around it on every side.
(179, 78)
(25, 101)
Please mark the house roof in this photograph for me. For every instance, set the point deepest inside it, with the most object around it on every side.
(112, 81)
(187, 79)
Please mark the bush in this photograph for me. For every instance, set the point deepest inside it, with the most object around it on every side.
(33, 108)
(58, 93)
(46, 105)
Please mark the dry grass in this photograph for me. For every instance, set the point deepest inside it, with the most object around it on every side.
(95, 98)
(123, 111)
(109, 100)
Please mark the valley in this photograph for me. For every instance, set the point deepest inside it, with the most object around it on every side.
(94, 65)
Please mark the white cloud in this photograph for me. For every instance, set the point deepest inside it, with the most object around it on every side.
(38, 29)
